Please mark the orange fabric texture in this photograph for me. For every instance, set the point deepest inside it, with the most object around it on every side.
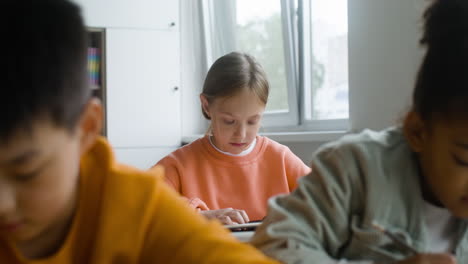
(129, 216)
(199, 172)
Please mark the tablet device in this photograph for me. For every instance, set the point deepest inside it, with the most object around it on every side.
(251, 226)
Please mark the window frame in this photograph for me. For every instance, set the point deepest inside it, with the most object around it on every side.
(288, 118)
(305, 73)
(297, 48)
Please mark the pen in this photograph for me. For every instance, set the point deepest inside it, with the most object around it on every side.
(395, 239)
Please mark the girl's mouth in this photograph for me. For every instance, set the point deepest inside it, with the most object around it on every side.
(238, 144)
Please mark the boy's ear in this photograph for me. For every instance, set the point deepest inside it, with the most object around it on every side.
(415, 131)
(90, 124)
(205, 104)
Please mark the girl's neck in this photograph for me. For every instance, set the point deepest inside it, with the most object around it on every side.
(248, 150)
(427, 193)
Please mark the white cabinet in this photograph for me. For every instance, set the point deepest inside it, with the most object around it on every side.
(142, 158)
(143, 97)
(154, 14)
(142, 62)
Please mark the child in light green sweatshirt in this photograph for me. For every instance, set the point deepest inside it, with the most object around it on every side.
(412, 180)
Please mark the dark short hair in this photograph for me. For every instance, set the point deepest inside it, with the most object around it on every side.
(442, 82)
(233, 73)
(46, 63)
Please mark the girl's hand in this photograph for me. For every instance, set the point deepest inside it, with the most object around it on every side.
(227, 216)
(429, 259)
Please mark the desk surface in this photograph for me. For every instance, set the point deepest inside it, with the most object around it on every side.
(243, 236)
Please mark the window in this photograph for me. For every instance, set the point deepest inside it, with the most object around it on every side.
(303, 47)
(259, 33)
(324, 54)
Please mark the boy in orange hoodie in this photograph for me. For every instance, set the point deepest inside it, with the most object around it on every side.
(63, 198)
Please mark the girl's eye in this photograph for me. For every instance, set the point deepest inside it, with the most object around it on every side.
(460, 161)
(228, 122)
(253, 122)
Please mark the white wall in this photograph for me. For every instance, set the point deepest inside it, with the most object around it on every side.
(384, 57)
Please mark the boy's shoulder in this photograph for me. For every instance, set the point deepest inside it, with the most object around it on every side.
(128, 174)
(100, 168)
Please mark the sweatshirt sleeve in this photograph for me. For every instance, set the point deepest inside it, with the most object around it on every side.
(172, 174)
(312, 223)
(177, 234)
(295, 168)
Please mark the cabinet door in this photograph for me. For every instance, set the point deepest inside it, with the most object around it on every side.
(155, 14)
(143, 99)
(142, 158)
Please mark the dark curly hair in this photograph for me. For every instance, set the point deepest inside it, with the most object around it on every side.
(442, 82)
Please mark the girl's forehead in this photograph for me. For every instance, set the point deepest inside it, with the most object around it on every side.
(458, 124)
(245, 96)
(460, 133)
(450, 131)
(239, 107)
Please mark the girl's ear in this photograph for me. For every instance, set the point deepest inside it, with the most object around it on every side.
(205, 105)
(415, 131)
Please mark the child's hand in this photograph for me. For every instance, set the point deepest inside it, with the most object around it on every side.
(227, 216)
(429, 259)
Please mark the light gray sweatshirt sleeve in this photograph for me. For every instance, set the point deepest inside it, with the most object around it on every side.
(312, 224)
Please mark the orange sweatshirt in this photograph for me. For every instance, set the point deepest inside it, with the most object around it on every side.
(129, 216)
(208, 177)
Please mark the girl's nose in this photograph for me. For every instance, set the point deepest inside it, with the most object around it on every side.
(241, 131)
